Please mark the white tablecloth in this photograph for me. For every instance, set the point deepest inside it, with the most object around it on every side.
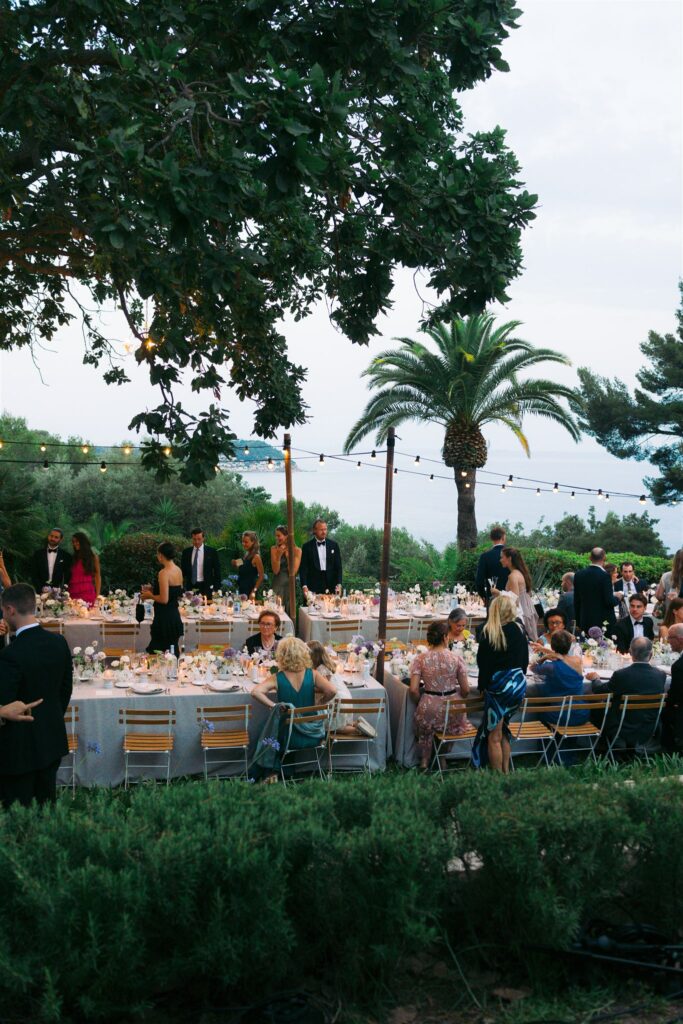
(313, 626)
(100, 760)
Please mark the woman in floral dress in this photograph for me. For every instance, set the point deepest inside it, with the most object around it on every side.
(435, 675)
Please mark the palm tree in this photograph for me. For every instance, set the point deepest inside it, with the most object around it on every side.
(102, 532)
(471, 380)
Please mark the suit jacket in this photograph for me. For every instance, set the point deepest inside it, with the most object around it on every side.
(641, 677)
(594, 600)
(212, 568)
(566, 606)
(641, 585)
(489, 566)
(37, 664)
(40, 569)
(672, 719)
(310, 573)
(624, 632)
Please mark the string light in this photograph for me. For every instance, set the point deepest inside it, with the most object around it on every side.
(43, 447)
(607, 497)
(127, 450)
(167, 450)
(417, 460)
(503, 487)
(85, 449)
(538, 492)
(45, 464)
(600, 494)
(373, 454)
(642, 499)
(103, 467)
(271, 464)
(468, 485)
(463, 472)
(395, 471)
(321, 460)
(431, 475)
(555, 488)
(358, 464)
(572, 495)
(149, 344)
(246, 449)
(510, 478)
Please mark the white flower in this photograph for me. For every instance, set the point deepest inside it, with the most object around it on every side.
(592, 643)
(125, 659)
(77, 651)
(89, 651)
(115, 664)
(100, 656)
(95, 643)
(50, 603)
(169, 656)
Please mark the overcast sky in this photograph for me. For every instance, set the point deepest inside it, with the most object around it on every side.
(592, 107)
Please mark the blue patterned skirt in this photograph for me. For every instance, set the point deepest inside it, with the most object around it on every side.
(502, 698)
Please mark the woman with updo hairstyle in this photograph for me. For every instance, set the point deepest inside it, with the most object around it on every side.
(167, 626)
(435, 675)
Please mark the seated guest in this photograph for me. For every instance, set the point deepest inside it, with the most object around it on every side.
(435, 675)
(296, 684)
(674, 614)
(672, 716)
(323, 663)
(553, 620)
(628, 583)
(267, 639)
(84, 581)
(638, 678)
(457, 620)
(561, 673)
(565, 605)
(636, 623)
(250, 568)
(200, 566)
(36, 670)
(51, 564)
(503, 658)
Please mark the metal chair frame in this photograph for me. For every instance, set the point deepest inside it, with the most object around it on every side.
(366, 707)
(348, 625)
(70, 719)
(157, 743)
(536, 731)
(588, 731)
(443, 740)
(636, 702)
(310, 714)
(228, 736)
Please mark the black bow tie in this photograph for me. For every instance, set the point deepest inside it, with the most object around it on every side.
(637, 622)
(321, 543)
(51, 551)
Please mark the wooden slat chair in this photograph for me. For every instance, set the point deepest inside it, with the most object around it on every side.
(117, 638)
(70, 721)
(211, 634)
(224, 729)
(636, 702)
(55, 626)
(158, 742)
(446, 739)
(587, 735)
(531, 730)
(349, 739)
(335, 627)
(297, 757)
(417, 629)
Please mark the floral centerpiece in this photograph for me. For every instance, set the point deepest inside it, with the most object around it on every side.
(598, 646)
(88, 662)
(467, 649)
(191, 603)
(53, 601)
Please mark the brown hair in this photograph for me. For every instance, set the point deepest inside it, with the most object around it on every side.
(677, 570)
(561, 641)
(319, 656)
(674, 605)
(436, 633)
(519, 564)
(273, 615)
(497, 533)
(85, 554)
(21, 596)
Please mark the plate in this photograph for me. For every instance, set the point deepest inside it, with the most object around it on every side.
(331, 615)
(120, 685)
(146, 688)
(222, 687)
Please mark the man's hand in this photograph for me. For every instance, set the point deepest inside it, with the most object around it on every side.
(17, 711)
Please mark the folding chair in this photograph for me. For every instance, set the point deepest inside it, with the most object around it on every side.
(117, 638)
(417, 627)
(446, 738)
(598, 705)
(310, 715)
(533, 731)
(70, 720)
(213, 634)
(224, 729)
(637, 702)
(53, 626)
(336, 626)
(159, 742)
(398, 629)
(369, 708)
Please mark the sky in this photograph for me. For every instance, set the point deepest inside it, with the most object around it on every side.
(592, 108)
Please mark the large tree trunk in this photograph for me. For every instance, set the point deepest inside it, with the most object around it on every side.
(467, 520)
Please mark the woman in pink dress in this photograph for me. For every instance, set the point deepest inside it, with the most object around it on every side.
(84, 582)
(442, 674)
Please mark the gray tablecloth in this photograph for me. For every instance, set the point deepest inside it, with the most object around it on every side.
(100, 759)
(401, 627)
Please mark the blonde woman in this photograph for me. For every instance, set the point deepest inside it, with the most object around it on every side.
(250, 568)
(295, 685)
(503, 658)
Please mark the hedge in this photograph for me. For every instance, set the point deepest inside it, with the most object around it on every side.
(132, 560)
(115, 901)
(553, 563)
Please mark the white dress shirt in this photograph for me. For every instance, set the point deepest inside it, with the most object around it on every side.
(30, 625)
(198, 557)
(322, 554)
(637, 627)
(51, 559)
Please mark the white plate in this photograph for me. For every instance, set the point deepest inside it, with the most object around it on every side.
(331, 615)
(146, 689)
(198, 682)
(120, 685)
(221, 687)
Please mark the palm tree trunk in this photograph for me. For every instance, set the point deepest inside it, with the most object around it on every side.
(467, 520)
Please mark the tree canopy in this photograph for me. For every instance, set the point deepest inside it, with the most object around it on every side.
(225, 164)
(647, 424)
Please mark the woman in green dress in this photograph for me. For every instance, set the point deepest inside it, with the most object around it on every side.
(280, 565)
(295, 685)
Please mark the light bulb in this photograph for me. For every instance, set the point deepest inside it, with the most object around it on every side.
(607, 497)
(85, 449)
(271, 464)
(373, 454)
(43, 447)
(600, 494)
(358, 465)
(503, 487)
(467, 485)
(395, 470)
(642, 499)
(510, 478)
(538, 492)
(321, 460)
(103, 467)
(572, 495)
(463, 472)
(246, 449)
(167, 450)
(127, 450)
(431, 476)
(45, 464)
(555, 488)
(417, 460)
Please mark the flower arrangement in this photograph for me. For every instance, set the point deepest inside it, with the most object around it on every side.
(88, 662)
(53, 601)
(467, 649)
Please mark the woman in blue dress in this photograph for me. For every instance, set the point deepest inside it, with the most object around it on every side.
(295, 685)
(561, 673)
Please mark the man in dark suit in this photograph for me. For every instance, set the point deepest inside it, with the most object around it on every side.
(489, 567)
(200, 566)
(672, 716)
(638, 678)
(566, 602)
(628, 583)
(51, 565)
(594, 597)
(321, 566)
(636, 624)
(35, 667)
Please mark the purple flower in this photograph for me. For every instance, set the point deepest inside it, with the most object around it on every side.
(229, 652)
(595, 633)
(196, 601)
(270, 741)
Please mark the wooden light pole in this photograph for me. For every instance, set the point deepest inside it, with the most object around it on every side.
(290, 528)
(386, 551)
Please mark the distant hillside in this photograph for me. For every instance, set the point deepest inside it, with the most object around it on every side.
(251, 454)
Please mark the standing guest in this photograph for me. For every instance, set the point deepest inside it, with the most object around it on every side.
(561, 674)
(267, 638)
(519, 584)
(280, 565)
(613, 573)
(320, 570)
(36, 667)
(167, 625)
(84, 581)
(489, 566)
(250, 568)
(628, 583)
(565, 605)
(671, 583)
(674, 614)
(435, 675)
(51, 564)
(638, 678)
(672, 716)
(594, 597)
(457, 631)
(503, 658)
(636, 623)
(200, 566)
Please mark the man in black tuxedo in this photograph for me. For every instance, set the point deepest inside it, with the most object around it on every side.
(489, 567)
(672, 716)
(636, 624)
(321, 567)
(628, 583)
(51, 565)
(594, 597)
(35, 667)
(200, 566)
(638, 678)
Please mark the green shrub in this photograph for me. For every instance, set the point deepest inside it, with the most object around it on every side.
(131, 560)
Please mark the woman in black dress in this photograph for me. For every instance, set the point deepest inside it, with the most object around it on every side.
(250, 568)
(167, 626)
